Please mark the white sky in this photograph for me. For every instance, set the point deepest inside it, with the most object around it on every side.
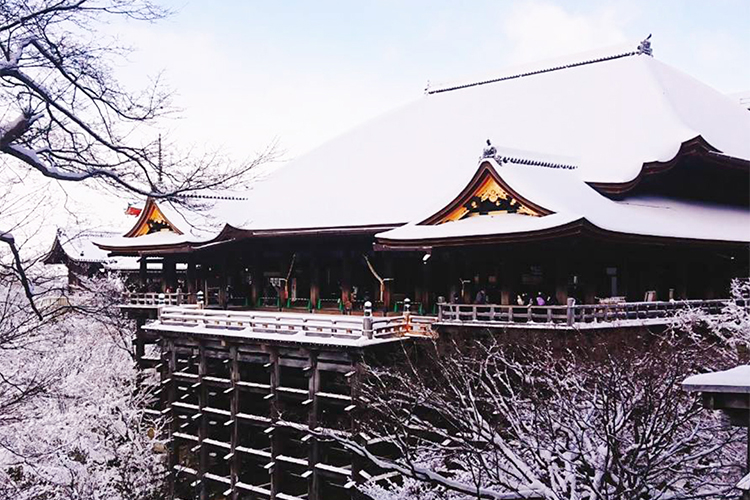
(248, 72)
(303, 72)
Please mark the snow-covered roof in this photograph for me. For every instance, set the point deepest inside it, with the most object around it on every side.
(196, 218)
(79, 246)
(734, 380)
(570, 199)
(609, 115)
(743, 98)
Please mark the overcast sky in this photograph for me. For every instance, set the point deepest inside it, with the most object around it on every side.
(247, 72)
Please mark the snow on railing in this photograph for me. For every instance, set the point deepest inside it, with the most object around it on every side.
(574, 314)
(287, 324)
(156, 299)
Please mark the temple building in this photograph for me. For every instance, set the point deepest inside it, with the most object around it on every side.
(608, 175)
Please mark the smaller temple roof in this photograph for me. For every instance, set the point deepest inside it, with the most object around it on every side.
(734, 380)
(163, 224)
(78, 247)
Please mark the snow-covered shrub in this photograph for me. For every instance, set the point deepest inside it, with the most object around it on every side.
(730, 329)
(569, 419)
(76, 427)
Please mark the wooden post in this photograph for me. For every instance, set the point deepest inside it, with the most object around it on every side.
(346, 277)
(143, 270)
(191, 277)
(223, 298)
(314, 281)
(168, 273)
(234, 408)
(275, 373)
(312, 423)
(570, 311)
(256, 272)
(203, 428)
(367, 320)
(169, 366)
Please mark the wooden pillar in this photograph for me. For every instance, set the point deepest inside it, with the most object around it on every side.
(314, 280)
(346, 277)
(139, 341)
(274, 374)
(588, 281)
(388, 284)
(223, 299)
(561, 281)
(191, 278)
(168, 273)
(203, 424)
(169, 366)
(234, 464)
(142, 271)
(506, 281)
(424, 298)
(256, 272)
(312, 422)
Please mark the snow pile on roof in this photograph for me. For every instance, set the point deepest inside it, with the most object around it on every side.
(741, 97)
(570, 199)
(611, 115)
(735, 380)
(199, 216)
(80, 246)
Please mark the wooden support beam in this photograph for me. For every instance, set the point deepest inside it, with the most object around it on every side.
(314, 269)
(313, 451)
(234, 375)
(203, 421)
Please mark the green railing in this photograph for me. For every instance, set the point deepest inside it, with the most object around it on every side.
(329, 304)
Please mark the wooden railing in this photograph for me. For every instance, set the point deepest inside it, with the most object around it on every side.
(287, 324)
(157, 298)
(574, 314)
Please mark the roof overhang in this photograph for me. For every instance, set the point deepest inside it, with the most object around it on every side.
(580, 228)
(695, 147)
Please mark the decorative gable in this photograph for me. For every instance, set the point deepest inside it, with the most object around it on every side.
(152, 220)
(486, 194)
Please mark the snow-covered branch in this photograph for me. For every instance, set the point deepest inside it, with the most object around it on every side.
(571, 422)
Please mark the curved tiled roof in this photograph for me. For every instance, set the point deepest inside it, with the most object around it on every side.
(612, 115)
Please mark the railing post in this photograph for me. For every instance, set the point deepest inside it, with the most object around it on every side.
(441, 302)
(407, 312)
(367, 320)
(571, 311)
(199, 299)
(159, 305)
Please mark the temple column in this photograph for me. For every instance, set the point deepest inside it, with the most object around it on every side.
(256, 272)
(314, 281)
(388, 285)
(561, 281)
(168, 273)
(142, 271)
(191, 280)
(424, 298)
(223, 299)
(346, 277)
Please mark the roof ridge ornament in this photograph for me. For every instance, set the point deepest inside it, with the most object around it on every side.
(490, 152)
(645, 46)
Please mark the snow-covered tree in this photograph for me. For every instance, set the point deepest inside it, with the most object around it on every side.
(730, 329)
(571, 418)
(66, 116)
(72, 409)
